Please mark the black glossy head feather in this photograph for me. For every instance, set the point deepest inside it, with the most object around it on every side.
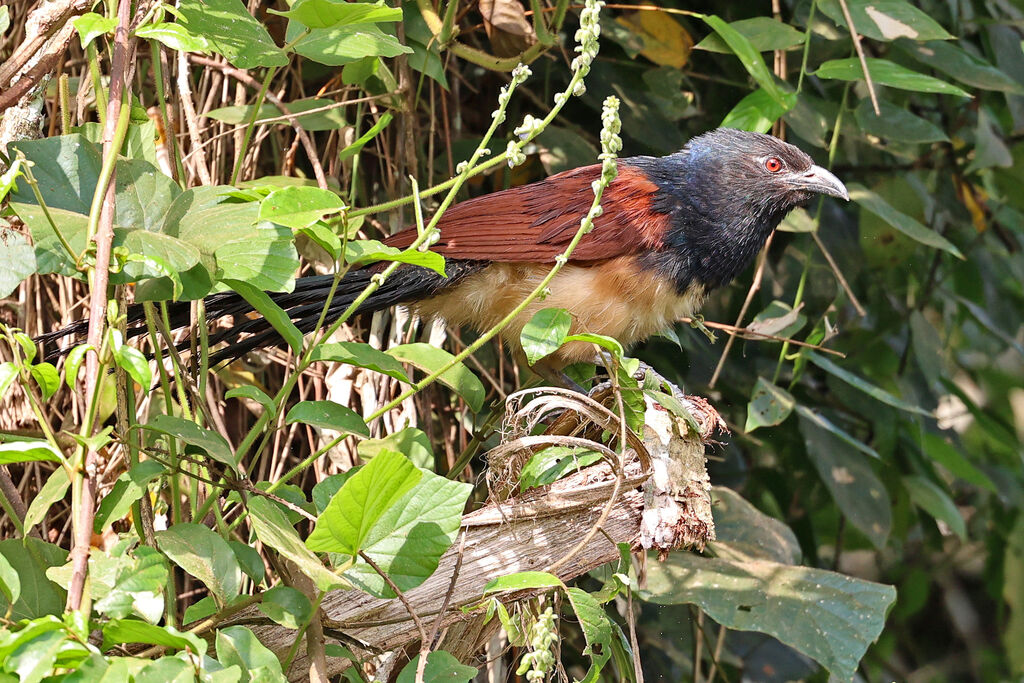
(726, 191)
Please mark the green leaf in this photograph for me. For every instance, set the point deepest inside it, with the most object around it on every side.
(331, 13)
(324, 238)
(855, 487)
(931, 498)
(430, 359)
(522, 581)
(56, 486)
(30, 558)
(287, 606)
(297, 207)
(232, 32)
(824, 423)
(545, 333)
(327, 115)
(605, 342)
(361, 355)
(210, 442)
(175, 37)
(778, 319)
(242, 247)
(128, 488)
(272, 528)
(410, 442)
(1013, 592)
(441, 667)
(73, 363)
(35, 450)
(122, 631)
(769, 405)
(134, 362)
(46, 378)
(369, 135)
(274, 314)
(856, 382)
(597, 629)
(238, 646)
(745, 533)
(884, 72)
(361, 252)
(17, 260)
(408, 540)
(751, 60)
(170, 670)
(200, 610)
(346, 522)
(327, 415)
(34, 660)
(552, 463)
(951, 457)
(910, 227)
(8, 373)
(249, 560)
(91, 26)
(827, 616)
(952, 59)
(896, 123)
(28, 346)
(254, 394)
(763, 33)
(10, 584)
(885, 19)
(757, 111)
(138, 587)
(345, 44)
(205, 555)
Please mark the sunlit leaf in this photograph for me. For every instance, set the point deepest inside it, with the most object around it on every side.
(346, 522)
(432, 359)
(885, 19)
(884, 72)
(327, 415)
(205, 555)
(544, 333)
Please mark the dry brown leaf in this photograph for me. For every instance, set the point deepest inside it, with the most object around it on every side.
(507, 27)
(666, 42)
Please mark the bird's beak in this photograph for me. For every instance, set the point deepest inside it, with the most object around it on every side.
(817, 179)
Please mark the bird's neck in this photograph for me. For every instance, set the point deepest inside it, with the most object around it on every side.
(713, 235)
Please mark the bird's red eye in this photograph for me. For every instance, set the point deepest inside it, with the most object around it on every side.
(773, 164)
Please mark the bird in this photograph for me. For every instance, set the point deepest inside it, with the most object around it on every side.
(673, 229)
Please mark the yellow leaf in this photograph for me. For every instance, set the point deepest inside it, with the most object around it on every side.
(666, 42)
(973, 198)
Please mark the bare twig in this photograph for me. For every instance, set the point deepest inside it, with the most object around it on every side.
(189, 111)
(754, 287)
(860, 55)
(307, 142)
(747, 333)
(839, 275)
(121, 69)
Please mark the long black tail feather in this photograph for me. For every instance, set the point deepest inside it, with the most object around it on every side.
(303, 304)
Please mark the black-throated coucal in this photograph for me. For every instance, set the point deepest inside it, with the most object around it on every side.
(673, 229)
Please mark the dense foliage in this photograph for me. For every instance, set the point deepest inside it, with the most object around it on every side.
(870, 366)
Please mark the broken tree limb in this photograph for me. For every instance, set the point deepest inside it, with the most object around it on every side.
(529, 532)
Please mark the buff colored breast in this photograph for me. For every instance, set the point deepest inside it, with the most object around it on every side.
(614, 298)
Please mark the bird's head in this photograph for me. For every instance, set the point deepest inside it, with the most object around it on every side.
(759, 172)
(726, 191)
